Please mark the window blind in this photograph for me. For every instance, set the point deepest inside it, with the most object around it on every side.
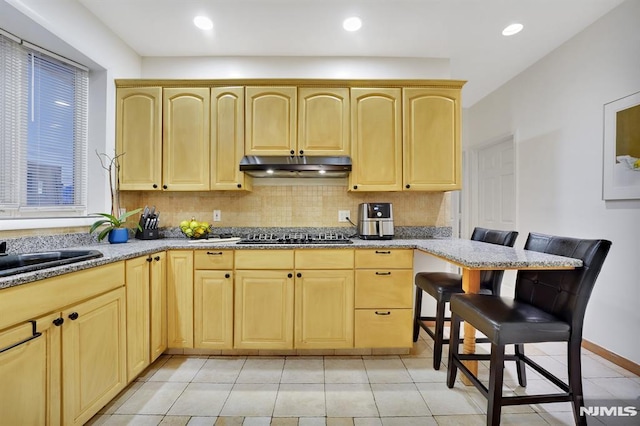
(44, 132)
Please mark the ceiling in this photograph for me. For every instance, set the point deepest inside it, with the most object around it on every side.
(467, 32)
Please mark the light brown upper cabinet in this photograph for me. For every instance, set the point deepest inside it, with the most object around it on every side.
(185, 148)
(227, 139)
(323, 121)
(376, 135)
(176, 159)
(139, 137)
(432, 156)
(270, 120)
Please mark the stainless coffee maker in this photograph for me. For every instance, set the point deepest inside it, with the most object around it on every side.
(375, 221)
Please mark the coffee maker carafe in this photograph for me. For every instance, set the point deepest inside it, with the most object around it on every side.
(375, 221)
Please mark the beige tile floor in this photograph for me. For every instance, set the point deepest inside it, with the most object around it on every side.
(352, 390)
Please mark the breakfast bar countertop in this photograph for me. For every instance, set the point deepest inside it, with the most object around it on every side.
(465, 253)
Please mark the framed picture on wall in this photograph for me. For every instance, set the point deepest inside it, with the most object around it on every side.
(621, 171)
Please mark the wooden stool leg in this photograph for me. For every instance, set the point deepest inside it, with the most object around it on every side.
(470, 284)
(496, 374)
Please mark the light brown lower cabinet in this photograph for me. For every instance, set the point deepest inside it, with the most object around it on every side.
(158, 304)
(93, 355)
(383, 298)
(180, 299)
(60, 367)
(145, 278)
(383, 328)
(30, 391)
(324, 309)
(263, 317)
(324, 299)
(213, 309)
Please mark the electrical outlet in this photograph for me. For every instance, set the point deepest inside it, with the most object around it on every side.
(343, 215)
(216, 215)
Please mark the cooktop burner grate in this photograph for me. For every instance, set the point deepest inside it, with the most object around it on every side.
(296, 238)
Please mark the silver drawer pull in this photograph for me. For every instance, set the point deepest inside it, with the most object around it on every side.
(383, 273)
(34, 334)
(382, 252)
(383, 313)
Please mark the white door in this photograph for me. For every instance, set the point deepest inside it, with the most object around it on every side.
(496, 186)
(493, 193)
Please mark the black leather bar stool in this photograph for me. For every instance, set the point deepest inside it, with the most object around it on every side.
(549, 306)
(441, 285)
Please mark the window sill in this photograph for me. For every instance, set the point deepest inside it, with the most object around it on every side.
(12, 224)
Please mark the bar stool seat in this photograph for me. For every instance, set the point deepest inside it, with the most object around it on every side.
(442, 285)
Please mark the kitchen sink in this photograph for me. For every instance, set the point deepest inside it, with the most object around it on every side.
(12, 264)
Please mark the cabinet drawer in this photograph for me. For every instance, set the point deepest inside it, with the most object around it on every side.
(384, 258)
(384, 288)
(264, 259)
(324, 259)
(383, 328)
(23, 302)
(213, 259)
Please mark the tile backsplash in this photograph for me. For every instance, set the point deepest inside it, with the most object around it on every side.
(289, 205)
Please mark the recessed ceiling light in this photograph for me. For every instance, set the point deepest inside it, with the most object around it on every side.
(203, 22)
(512, 29)
(352, 24)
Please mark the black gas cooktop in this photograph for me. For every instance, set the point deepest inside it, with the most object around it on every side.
(296, 238)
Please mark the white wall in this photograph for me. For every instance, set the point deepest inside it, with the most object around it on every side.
(555, 111)
(295, 67)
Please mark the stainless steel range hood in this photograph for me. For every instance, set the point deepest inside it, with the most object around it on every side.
(295, 166)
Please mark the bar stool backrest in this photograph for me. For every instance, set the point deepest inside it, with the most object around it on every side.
(491, 281)
(563, 293)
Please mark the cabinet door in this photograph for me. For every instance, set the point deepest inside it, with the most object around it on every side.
(270, 121)
(432, 153)
(324, 309)
(323, 121)
(30, 391)
(213, 309)
(263, 317)
(158, 305)
(180, 299)
(376, 149)
(185, 149)
(227, 139)
(139, 137)
(93, 355)
(137, 290)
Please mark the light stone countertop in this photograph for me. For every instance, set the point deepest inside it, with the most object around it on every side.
(465, 253)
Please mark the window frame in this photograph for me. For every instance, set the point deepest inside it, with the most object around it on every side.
(15, 158)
